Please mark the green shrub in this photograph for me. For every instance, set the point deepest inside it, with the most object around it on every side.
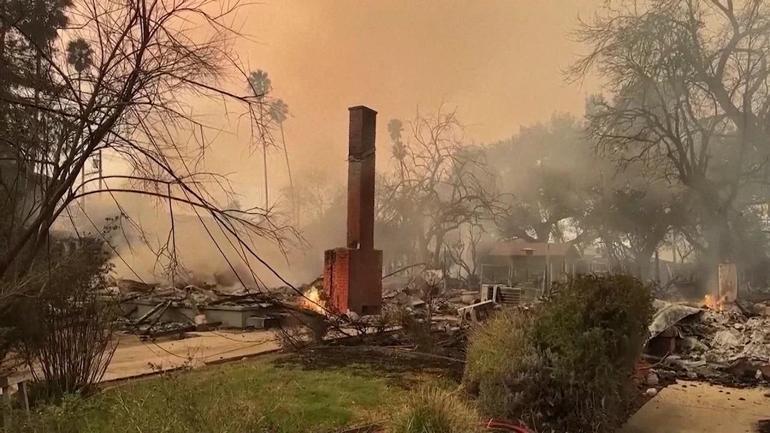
(567, 364)
(434, 410)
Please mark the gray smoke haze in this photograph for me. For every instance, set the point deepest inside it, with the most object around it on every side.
(499, 62)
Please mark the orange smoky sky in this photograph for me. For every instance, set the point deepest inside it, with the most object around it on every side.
(499, 63)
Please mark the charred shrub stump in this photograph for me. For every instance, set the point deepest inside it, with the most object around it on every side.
(566, 365)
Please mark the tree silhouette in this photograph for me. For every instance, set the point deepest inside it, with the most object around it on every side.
(690, 96)
(279, 112)
(395, 129)
(79, 55)
(261, 85)
(131, 102)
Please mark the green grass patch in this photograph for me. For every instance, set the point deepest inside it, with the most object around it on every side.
(254, 396)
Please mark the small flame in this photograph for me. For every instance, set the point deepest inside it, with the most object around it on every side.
(313, 300)
(712, 303)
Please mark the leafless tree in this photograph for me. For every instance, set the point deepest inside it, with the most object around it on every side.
(464, 252)
(315, 192)
(149, 59)
(690, 98)
(441, 184)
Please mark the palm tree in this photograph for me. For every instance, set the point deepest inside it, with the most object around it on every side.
(395, 130)
(279, 112)
(80, 57)
(260, 84)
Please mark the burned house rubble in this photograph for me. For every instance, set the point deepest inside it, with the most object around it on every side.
(155, 310)
(724, 343)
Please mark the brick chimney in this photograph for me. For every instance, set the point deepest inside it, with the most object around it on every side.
(353, 275)
(363, 121)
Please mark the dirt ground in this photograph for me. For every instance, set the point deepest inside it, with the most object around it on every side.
(690, 407)
(134, 358)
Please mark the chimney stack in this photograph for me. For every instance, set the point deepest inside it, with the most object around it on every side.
(353, 275)
(363, 122)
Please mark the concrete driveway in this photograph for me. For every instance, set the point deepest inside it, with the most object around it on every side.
(134, 357)
(696, 407)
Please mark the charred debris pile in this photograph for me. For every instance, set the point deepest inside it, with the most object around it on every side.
(720, 342)
(154, 310)
(726, 343)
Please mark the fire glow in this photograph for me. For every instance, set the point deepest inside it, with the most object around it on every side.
(714, 303)
(312, 300)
